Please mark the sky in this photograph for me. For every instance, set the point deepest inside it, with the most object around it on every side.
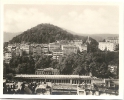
(91, 19)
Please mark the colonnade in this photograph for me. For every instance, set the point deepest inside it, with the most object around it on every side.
(63, 81)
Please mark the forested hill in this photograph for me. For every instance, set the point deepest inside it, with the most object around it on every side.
(45, 33)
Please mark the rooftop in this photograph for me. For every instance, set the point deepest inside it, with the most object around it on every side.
(47, 69)
(112, 38)
(50, 76)
(106, 43)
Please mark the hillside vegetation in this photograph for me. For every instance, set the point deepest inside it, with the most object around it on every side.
(74, 64)
(44, 33)
(93, 61)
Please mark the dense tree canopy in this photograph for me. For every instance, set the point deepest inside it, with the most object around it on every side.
(76, 64)
(22, 65)
(44, 33)
(43, 62)
(96, 63)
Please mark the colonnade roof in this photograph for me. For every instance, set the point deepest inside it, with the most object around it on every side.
(51, 76)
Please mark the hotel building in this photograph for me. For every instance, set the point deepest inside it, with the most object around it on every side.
(112, 40)
(107, 46)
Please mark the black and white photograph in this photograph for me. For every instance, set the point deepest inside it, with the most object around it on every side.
(61, 49)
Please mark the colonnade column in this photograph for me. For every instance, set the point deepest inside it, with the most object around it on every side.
(70, 81)
(108, 83)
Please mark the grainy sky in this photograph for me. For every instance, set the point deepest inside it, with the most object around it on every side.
(91, 19)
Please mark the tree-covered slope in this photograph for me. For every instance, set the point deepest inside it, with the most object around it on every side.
(45, 33)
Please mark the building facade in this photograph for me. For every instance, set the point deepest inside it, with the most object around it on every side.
(83, 47)
(57, 79)
(7, 57)
(77, 42)
(67, 49)
(112, 40)
(57, 53)
(54, 46)
(45, 48)
(47, 71)
(107, 46)
(25, 47)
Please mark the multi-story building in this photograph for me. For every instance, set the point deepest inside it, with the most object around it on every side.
(18, 51)
(67, 49)
(57, 53)
(13, 51)
(83, 47)
(25, 47)
(10, 47)
(112, 40)
(47, 71)
(38, 50)
(7, 57)
(54, 46)
(77, 42)
(45, 48)
(107, 46)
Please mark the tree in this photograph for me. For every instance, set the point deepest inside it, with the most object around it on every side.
(43, 62)
(10, 76)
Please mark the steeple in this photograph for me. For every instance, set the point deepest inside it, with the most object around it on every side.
(88, 40)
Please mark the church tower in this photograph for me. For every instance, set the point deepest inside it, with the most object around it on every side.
(88, 40)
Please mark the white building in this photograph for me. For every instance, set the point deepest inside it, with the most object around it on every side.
(107, 46)
(7, 57)
(54, 46)
(83, 47)
(113, 40)
(68, 48)
(57, 53)
(77, 42)
(25, 47)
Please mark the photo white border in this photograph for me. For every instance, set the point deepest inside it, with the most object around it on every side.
(66, 2)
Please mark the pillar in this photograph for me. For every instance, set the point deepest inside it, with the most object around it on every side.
(86, 81)
(77, 81)
(70, 81)
(108, 83)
